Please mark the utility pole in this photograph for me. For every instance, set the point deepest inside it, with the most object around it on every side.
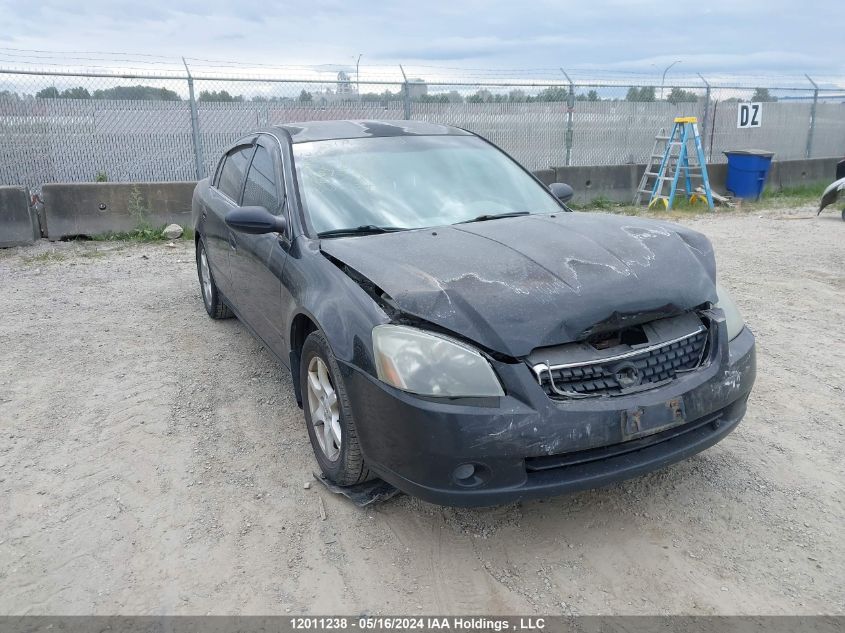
(663, 79)
(357, 76)
(811, 131)
(570, 109)
(407, 99)
(705, 120)
(195, 125)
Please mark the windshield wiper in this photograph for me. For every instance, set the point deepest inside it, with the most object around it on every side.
(364, 229)
(494, 216)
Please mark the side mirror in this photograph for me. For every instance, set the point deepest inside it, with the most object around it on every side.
(255, 220)
(562, 191)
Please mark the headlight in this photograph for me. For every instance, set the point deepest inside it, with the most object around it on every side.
(733, 318)
(430, 364)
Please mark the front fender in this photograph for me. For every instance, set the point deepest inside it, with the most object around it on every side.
(335, 303)
(200, 191)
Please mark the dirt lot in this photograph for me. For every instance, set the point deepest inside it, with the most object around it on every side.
(152, 461)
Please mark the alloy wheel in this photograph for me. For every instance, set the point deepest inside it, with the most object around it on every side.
(205, 277)
(323, 406)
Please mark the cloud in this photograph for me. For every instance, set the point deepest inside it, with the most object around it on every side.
(624, 35)
(758, 60)
(479, 46)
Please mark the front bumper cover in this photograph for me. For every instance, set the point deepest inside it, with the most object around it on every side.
(526, 445)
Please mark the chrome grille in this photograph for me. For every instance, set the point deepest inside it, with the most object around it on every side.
(634, 370)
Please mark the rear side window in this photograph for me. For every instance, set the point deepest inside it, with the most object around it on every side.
(261, 189)
(232, 174)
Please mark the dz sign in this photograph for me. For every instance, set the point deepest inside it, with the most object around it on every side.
(749, 115)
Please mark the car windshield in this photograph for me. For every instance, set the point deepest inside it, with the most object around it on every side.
(411, 182)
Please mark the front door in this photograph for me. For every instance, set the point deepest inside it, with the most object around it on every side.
(257, 261)
(223, 197)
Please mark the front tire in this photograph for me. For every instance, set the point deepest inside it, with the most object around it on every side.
(211, 297)
(328, 414)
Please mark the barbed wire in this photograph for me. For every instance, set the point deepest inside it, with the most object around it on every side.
(141, 65)
(58, 52)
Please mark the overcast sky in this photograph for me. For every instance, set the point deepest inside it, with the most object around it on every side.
(748, 36)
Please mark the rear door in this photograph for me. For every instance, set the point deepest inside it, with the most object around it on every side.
(224, 194)
(257, 261)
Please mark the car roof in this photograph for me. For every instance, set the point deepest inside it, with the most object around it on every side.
(331, 130)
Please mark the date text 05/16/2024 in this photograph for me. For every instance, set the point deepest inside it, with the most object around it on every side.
(417, 623)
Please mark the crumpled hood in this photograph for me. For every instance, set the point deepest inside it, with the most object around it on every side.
(515, 284)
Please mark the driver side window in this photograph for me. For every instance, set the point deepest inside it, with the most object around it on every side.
(232, 174)
(261, 189)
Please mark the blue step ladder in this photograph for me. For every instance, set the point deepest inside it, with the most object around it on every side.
(675, 159)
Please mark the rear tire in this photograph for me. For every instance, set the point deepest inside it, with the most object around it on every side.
(328, 414)
(211, 297)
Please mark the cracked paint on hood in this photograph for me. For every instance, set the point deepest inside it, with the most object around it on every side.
(515, 284)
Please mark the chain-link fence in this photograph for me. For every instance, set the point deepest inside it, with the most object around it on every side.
(85, 126)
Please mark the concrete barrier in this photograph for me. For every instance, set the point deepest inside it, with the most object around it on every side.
(94, 208)
(619, 182)
(794, 173)
(18, 223)
(613, 182)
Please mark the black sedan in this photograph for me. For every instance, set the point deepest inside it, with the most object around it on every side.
(452, 328)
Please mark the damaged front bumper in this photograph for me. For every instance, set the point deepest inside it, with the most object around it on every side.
(477, 452)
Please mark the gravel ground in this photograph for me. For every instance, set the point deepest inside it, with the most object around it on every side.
(153, 461)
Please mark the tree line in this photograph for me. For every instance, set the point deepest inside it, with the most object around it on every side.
(642, 94)
(517, 95)
(647, 94)
(128, 93)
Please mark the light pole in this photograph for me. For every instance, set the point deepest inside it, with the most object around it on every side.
(357, 78)
(663, 79)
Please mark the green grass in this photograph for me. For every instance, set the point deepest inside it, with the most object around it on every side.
(600, 203)
(681, 208)
(807, 193)
(787, 197)
(142, 233)
(603, 203)
(47, 257)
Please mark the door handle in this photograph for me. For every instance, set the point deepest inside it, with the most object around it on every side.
(232, 243)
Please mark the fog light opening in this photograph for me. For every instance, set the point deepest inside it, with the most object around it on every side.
(464, 471)
(469, 475)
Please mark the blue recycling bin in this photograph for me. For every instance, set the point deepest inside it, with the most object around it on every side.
(747, 172)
